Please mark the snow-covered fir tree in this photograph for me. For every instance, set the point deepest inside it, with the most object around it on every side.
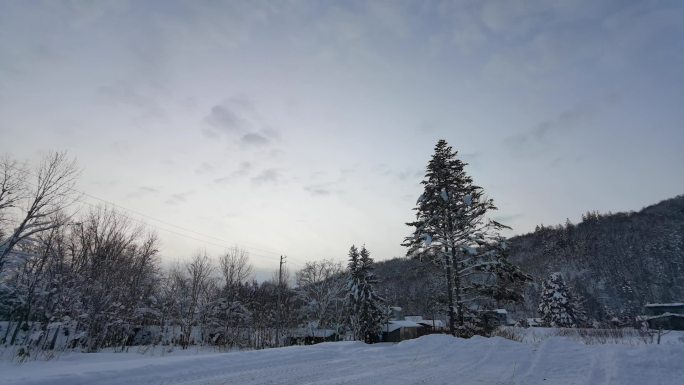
(353, 292)
(366, 311)
(451, 229)
(372, 309)
(558, 306)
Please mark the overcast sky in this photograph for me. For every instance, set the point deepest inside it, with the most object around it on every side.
(303, 127)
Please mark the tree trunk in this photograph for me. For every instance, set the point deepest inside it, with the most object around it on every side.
(20, 323)
(9, 326)
(458, 288)
(450, 296)
(53, 341)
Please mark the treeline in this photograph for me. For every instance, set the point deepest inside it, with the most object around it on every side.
(93, 280)
(98, 283)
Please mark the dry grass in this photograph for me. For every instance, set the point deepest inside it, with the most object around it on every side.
(624, 336)
(509, 334)
(608, 336)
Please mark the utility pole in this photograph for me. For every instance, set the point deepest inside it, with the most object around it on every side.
(279, 314)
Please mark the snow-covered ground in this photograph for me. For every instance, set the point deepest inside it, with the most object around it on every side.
(434, 359)
(596, 336)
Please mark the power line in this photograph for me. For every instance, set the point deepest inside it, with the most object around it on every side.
(203, 241)
(170, 224)
(120, 207)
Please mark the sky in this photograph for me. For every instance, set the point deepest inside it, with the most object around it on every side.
(302, 127)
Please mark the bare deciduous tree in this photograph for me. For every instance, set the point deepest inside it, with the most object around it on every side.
(193, 288)
(235, 267)
(321, 286)
(50, 194)
(11, 186)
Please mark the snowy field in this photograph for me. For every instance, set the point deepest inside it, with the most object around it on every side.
(435, 359)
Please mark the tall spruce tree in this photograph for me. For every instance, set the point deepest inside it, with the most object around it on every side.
(452, 231)
(365, 306)
(558, 306)
(372, 312)
(354, 292)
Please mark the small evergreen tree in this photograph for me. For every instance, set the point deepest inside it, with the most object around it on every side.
(353, 292)
(372, 313)
(558, 306)
(366, 312)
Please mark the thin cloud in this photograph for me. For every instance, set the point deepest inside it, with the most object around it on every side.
(317, 190)
(427, 127)
(382, 169)
(323, 189)
(237, 119)
(566, 121)
(179, 198)
(225, 118)
(270, 175)
(205, 168)
(142, 191)
(415, 174)
(223, 180)
(243, 170)
(254, 139)
(128, 96)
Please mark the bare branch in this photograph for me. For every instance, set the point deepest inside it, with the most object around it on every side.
(235, 266)
(48, 196)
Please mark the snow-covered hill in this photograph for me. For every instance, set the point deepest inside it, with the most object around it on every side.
(435, 359)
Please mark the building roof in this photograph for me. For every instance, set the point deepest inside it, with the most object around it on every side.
(438, 323)
(394, 325)
(497, 311)
(308, 332)
(676, 304)
(664, 315)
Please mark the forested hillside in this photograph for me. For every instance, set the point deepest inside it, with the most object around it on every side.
(615, 262)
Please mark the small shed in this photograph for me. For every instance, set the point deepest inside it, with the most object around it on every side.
(433, 325)
(308, 336)
(396, 331)
(495, 317)
(661, 308)
(667, 316)
(429, 325)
